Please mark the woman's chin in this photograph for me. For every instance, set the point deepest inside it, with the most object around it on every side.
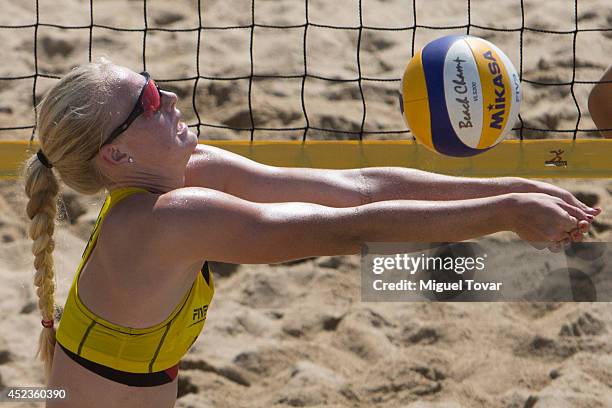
(187, 137)
(192, 137)
(189, 141)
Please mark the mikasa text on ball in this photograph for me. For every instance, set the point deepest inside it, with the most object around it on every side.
(460, 95)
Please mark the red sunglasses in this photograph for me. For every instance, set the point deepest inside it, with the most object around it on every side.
(149, 102)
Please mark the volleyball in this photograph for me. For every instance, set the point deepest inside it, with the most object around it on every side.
(460, 95)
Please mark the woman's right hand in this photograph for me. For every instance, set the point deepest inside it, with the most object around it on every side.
(546, 221)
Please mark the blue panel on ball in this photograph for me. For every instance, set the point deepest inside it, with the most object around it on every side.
(444, 138)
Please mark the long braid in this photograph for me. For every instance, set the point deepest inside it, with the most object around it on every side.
(72, 121)
(41, 187)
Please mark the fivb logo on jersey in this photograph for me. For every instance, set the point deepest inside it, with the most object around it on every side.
(199, 313)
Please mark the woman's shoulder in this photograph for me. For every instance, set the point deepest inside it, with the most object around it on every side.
(131, 234)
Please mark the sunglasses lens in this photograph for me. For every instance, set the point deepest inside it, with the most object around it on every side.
(150, 99)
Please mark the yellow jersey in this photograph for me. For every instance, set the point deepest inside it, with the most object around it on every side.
(143, 350)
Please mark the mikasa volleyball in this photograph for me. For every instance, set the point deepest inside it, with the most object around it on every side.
(460, 95)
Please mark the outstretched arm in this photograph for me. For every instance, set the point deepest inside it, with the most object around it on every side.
(200, 223)
(231, 173)
(600, 104)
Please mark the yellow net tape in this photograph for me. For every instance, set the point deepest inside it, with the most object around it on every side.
(581, 158)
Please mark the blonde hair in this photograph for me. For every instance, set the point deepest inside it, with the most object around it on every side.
(72, 124)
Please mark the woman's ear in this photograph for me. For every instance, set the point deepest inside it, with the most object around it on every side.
(113, 155)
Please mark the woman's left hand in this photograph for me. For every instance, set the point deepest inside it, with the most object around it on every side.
(577, 235)
(535, 186)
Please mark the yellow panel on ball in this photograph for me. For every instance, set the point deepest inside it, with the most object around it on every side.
(414, 103)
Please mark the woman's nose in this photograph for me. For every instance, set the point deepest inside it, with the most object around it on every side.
(171, 100)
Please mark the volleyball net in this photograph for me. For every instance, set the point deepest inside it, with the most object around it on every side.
(289, 84)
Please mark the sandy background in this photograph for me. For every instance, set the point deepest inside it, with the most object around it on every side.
(297, 334)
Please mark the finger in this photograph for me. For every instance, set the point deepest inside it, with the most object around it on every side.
(587, 209)
(593, 211)
(575, 234)
(584, 226)
(570, 223)
(576, 202)
(572, 199)
(576, 212)
(561, 236)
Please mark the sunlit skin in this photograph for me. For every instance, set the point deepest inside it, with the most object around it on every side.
(209, 204)
(600, 104)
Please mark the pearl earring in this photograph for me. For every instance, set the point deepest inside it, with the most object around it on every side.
(130, 160)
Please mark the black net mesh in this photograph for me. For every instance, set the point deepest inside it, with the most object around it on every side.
(270, 70)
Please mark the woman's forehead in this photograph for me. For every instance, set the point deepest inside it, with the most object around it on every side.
(127, 81)
(125, 86)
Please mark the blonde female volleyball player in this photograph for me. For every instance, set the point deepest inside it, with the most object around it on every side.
(600, 104)
(142, 290)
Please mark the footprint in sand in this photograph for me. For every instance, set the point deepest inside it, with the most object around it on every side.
(411, 336)
(263, 291)
(377, 42)
(585, 325)
(265, 362)
(167, 18)
(330, 323)
(5, 357)
(305, 373)
(227, 372)
(399, 380)
(425, 335)
(10, 232)
(7, 237)
(544, 347)
(531, 401)
(587, 251)
(240, 120)
(582, 286)
(221, 93)
(56, 46)
(535, 310)
(185, 386)
(28, 308)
